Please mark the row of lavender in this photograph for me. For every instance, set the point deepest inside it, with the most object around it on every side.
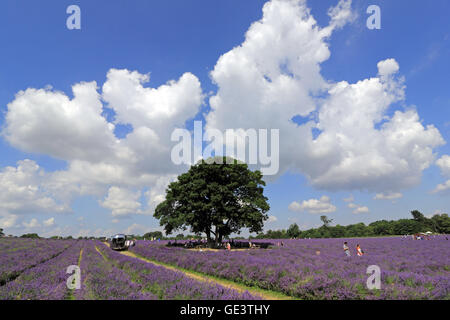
(47, 280)
(18, 255)
(167, 284)
(106, 274)
(319, 269)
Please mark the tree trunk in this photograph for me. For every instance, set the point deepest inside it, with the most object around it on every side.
(208, 238)
(218, 238)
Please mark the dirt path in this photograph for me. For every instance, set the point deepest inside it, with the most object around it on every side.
(79, 258)
(101, 253)
(265, 294)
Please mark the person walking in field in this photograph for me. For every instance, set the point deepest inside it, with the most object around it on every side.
(359, 251)
(346, 249)
(228, 246)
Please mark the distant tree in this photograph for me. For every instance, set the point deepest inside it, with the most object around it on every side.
(180, 236)
(357, 230)
(418, 216)
(293, 231)
(276, 234)
(381, 227)
(1, 232)
(406, 226)
(441, 223)
(30, 235)
(326, 221)
(216, 199)
(154, 234)
(337, 232)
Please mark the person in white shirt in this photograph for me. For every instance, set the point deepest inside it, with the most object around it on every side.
(346, 249)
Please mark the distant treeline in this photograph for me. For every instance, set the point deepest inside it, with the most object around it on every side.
(439, 223)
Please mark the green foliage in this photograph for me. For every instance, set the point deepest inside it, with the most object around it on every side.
(439, 223)
(155, 234)
(418, 216)
(293, 231)
(325, 220)
(30, 235)
(215, 199)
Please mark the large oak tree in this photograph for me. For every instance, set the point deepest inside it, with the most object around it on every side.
(216, 199)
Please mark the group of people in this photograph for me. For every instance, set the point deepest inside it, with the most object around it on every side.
(130, 243)
(359, 251)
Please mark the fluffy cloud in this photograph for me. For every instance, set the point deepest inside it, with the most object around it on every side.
(358, 208)
(352, 153)
(160, 109)
(274, 76)
(314, 206)
(442, 187)
(137, 229)
(388, 196)
(75, 130)
(361, 210)
(32, 224)
(21, 192)
(7, 220)
(388, 67)
(122, 202)
(157, 194)
(49, 222)
(48, 122)
(349, 199)
(444, 164)
(342, 14)
(272, 219)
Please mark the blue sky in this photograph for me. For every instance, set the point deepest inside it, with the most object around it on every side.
(167, 39)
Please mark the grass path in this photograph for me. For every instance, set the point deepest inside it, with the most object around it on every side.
(70, 295)
(265, 294)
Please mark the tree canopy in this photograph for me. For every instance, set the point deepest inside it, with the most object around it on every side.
(216, 199)
(30, 235)
(326, 221)
(154, 234)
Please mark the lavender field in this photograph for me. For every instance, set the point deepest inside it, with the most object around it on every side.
(319, 269)
(37, 271)
(302, 269)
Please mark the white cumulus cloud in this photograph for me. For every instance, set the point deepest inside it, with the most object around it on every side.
(444, 164)
(274, 76)
(314, 206)
(49, 222)
(21, 192)
(388, 196)
(122, 202)
(32, 224)
(361, 210)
